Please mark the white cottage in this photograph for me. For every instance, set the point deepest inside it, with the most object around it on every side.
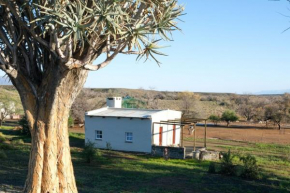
(131, 129)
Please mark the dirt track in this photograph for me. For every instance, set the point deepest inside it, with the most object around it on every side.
(249, 134)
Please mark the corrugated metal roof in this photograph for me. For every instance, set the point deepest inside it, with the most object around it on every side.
(123, 112)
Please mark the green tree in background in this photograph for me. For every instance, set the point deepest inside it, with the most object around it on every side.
(215, 119)
(229, 116)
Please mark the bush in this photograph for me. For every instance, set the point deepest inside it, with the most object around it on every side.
(227, 166)
(2, 154)
(251, 170)
(215, 119)
(2, 138)
(211, 168)
(229, 116)
(209, 98)
(90, 152)
(70, 121)
(24, 124)
(224, 103)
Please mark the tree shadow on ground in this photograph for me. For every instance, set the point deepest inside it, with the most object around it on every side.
(15, 135)
(13, 169)
(11, 123)
(10, 132)
(75, 141)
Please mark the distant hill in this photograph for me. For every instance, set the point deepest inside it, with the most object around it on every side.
(8, 92)
(273, 92)
(203, 105)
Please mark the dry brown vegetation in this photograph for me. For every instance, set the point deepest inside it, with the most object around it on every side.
(250, 108)
(269, 110)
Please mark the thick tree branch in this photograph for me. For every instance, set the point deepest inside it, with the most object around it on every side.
(9, 70)
(107, 61)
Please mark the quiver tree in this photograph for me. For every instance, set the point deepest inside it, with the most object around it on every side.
(47, 48)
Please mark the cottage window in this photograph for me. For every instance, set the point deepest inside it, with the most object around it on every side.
(129, 137)
(99, 134)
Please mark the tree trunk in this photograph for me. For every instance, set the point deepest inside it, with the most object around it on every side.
(228, 123)
(1, 123)
(50, 168)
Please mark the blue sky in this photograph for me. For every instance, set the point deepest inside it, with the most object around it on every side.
(226, 46)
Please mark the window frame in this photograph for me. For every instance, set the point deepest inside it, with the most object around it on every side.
(100, 134)
(126, 137)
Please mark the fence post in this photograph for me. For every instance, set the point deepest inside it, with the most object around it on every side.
(205, 127)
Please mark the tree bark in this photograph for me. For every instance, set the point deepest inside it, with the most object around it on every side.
(50, 169)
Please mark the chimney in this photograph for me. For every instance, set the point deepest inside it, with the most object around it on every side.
(114, 102)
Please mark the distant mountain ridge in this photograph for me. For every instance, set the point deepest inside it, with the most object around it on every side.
(273, 92)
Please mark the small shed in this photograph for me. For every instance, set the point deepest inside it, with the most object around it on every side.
(131, 129)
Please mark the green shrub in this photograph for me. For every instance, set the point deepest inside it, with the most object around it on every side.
(212, 168)
(229, 116)
(89, 152)
(215, 119)
(227, 166)
(24, 124)
(2, 154)
(70, 121)
(251, 170)
(17, 142)
(2, 138)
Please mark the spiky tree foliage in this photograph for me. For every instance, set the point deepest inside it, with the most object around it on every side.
(47, 48)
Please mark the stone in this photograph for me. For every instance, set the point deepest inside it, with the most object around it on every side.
(209, 155)
(195, 154)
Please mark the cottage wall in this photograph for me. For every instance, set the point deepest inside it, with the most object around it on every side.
(167, 130)
(114, 132)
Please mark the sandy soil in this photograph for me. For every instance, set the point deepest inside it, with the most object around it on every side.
(250, 134)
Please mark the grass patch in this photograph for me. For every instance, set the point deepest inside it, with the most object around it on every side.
(17, 142)
(6, 127)
(116, 171)
(2, 138)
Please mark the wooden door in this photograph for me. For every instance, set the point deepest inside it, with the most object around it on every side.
(174, 131)
(160, 135)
